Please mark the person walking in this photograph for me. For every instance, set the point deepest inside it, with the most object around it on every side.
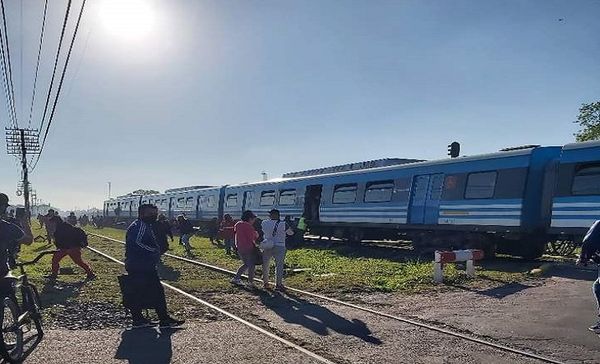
(142, 254)
(40, 219)
(186, 230)
(50, 225)
(227, 232)
(589, 251)
(301, 229)
(245, 238)
(69, 240)
(274, 232)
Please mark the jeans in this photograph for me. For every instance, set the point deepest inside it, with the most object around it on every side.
(184, 240)
(248, 260)
(75, 254)
(596, 290)
(149, 282)
(228, 245)
(277, 252)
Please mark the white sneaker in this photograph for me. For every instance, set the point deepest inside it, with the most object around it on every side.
(236, 281)
(595, 328)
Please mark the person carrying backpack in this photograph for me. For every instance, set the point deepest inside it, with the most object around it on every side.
(69, 240)
(186, 230)
(589, 251)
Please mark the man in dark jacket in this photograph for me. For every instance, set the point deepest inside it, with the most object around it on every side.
(69, 240)
(589, 251)
(165, 230)
(11, 235)
(186, 230)
(142, 254)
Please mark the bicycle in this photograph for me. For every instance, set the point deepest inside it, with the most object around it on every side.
(14, 317)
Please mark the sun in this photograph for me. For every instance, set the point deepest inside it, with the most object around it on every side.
(129, 20)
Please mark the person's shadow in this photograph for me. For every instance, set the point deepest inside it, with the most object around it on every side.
(145, 346)
(316, 318)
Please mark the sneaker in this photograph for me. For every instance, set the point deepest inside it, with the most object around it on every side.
(140, 324)
(52, 276)
(595, 328)
(251, 285)
(280, 288)
(236, 281)
(170, 323)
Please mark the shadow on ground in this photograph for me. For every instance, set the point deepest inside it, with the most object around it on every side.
(295, 310)
(143, 346)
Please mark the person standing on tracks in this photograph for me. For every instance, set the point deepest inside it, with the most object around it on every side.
(186, 230)
(72, 219)
(142, 254)
(274, 232)
(227, 233)
(589, 251)
(165, 230)
(245, 238)
(69, 240)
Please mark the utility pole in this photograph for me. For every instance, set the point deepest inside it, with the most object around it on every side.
(109, 185)
(23, 142)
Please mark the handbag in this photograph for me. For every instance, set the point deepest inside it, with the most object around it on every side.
(269, 243)
(257, 257)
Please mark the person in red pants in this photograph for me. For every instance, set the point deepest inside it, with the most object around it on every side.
(69, 240)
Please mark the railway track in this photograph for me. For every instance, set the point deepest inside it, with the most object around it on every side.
(233, 316)
(406, 320)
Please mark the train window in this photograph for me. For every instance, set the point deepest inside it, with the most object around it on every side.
(248, 197)
(211, 201)
(189, 202)
(481, 185)
(267, 198)
(380, 191)
(180, 203)
(164, 202)
(287, 197)
(345, 193)
(231, 200)
(586, 181)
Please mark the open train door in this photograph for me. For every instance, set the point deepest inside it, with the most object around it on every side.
(312, 202)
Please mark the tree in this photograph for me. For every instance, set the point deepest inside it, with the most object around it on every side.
(589, 121)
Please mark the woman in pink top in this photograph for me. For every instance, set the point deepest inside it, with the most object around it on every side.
(245, 236)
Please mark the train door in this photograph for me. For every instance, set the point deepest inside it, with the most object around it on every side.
(247, 201)
(312, 202)
(425, 198)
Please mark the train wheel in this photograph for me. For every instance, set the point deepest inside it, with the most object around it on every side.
(562, 247)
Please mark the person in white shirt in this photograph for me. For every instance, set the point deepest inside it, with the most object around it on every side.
(275, 231)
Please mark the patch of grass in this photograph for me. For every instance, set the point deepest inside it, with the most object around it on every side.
(348, 268)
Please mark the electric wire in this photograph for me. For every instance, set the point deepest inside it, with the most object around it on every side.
(37, 66)
(62, 79)
(7, 69)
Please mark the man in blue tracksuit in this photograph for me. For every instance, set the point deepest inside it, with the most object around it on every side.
(589, 251)
(142, 254)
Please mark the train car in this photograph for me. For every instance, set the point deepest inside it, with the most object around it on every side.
(576, 200)
(484, 201)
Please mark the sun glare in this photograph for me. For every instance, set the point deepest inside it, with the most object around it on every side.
(127, 19)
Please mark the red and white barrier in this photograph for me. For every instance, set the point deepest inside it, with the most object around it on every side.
(443, 257)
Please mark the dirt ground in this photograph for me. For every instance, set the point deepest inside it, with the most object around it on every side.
(548, 316)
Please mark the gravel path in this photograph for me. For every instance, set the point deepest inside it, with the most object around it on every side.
(212, 342)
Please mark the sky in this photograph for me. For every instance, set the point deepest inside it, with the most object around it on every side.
(171, 93)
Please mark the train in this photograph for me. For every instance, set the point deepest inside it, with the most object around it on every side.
(514, 201)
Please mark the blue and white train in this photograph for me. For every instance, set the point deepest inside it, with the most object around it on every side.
(513, 201)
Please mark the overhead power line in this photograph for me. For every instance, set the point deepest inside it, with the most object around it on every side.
(7, 68)
(62, 77)
(37, 66)
(62, 35)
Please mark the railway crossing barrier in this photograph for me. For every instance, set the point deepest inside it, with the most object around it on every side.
(443, 257)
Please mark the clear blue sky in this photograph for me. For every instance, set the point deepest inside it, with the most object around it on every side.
(218, 91)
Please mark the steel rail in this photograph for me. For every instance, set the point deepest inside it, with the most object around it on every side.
(228, 314)
(372, 311)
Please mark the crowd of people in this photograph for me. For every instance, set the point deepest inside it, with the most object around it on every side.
(147, 238)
